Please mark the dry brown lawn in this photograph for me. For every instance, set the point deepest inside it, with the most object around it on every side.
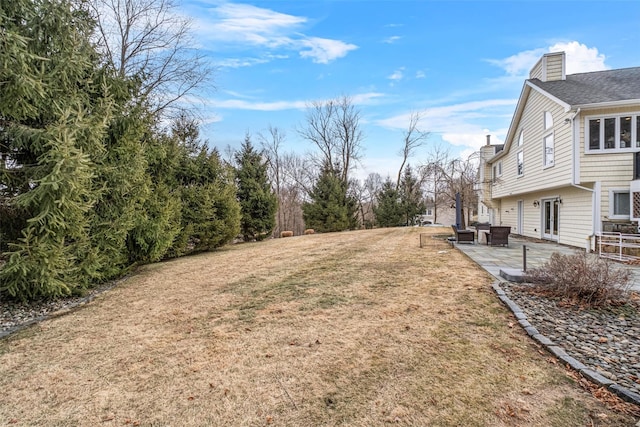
(359, 328)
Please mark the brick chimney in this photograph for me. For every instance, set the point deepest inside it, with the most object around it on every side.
(552, 66)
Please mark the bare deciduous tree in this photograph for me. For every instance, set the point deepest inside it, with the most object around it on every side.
(432, 174)
(413, 138)
(150, 41)
(364, 193)
(291, 176)
(333, 126)
(447, 177)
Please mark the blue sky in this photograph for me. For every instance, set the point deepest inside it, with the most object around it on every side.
(461, 64)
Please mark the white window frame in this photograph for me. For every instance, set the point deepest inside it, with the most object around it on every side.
(635, 134)
(519, 170)
(521, 138)
(500, 168)
(612, 195)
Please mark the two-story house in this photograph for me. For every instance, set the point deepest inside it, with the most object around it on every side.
(569, 165)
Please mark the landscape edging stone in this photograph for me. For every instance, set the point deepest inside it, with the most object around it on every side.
(559, 352)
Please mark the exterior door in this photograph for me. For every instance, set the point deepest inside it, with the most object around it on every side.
(520, 217)
(550, 216)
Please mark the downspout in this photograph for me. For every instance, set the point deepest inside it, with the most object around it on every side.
(575, 169)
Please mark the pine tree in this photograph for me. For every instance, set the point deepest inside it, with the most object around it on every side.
(54, 110)
(388, 209)
(210, 215)
(330, 208)
(258, 202)
(412, 200)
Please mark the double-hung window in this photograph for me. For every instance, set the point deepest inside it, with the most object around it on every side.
(612, 133)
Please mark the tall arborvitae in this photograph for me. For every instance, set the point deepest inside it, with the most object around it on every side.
(53, 115)
(330, 207)
(258, 202)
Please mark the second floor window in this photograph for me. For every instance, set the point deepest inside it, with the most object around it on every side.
(520, 163)
(612, 133)
(549, 154)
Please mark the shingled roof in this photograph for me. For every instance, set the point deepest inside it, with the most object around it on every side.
(595, 87)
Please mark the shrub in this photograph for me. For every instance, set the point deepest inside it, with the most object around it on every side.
(582, 279)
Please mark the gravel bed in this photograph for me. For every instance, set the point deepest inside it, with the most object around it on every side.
(15, 315)
(607, 341)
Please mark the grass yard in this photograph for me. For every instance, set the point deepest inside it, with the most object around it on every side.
(359, 328)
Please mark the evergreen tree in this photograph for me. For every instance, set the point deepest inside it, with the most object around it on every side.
(388, 209)
(210, 214)
(258, 202)
(330, 208)
(54, 110)
(411, 197)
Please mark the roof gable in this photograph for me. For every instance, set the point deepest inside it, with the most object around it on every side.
(517, 115)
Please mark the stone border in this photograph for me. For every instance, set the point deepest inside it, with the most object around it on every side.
(77, 303)
(559, 352)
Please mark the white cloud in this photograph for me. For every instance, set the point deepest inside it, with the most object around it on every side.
(391, 40)
(385, 166)
(323, 51)
(233, 24)
(242, 103)
(580, 59)
(397, 74)
(246, 62)
(460, 125)
(251, 23)
(420, 74)
(367, 98)
(453, 118)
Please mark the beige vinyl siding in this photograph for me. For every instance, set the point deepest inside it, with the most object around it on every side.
(604, 166)
(575, 221)
(576, 217)
(554, 67)
(536, 176)
(536, 71)
(611, 170)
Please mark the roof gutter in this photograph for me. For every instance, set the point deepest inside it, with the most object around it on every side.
(575, 168)
(609, 104)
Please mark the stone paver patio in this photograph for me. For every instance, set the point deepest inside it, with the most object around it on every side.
(510, 258)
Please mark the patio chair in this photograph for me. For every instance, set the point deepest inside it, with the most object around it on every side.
(466, 236)
(498, 235)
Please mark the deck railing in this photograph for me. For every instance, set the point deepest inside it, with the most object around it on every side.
(619, 246)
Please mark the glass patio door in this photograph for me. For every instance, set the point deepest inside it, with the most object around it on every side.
(550, 215)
